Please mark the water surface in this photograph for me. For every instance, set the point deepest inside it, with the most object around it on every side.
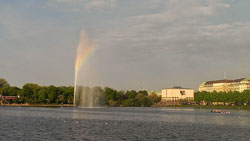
(122, 123)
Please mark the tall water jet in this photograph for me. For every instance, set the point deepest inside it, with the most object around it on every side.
(84, 96)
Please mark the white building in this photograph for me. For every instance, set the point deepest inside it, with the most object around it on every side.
(226, 85)
(177, 93)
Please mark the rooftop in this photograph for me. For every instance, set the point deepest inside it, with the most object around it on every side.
(224, 81)
(219, 81)
(178, 87)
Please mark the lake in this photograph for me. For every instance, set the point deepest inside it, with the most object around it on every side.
(122, 123)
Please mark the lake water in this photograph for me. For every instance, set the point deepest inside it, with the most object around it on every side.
(122, 123)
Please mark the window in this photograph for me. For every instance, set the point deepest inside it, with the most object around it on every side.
(182, 92)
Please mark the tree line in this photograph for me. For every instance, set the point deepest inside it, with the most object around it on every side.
(34, 94)
(232, 97)
(130, 98)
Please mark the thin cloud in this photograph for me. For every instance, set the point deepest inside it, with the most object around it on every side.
(87, 4)
(100, 4)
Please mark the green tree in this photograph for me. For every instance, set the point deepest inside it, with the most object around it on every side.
(146, 102)
(30, 93)
(68, 93)
(129, 102)
(154, 98)
(11, 91)
(42, 95)
(234, 97)
(3, 83)
(60, 99)
(52, 94)
(143, 92)
(131, 94)
(111, 96)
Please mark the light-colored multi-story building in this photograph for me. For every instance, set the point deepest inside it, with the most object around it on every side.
(226, 85)
(177, 93)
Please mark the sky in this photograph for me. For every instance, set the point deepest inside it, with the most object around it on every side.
(148, 44)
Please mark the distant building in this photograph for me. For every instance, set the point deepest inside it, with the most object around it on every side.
(7, 99)
(177, 93)
(226, 85)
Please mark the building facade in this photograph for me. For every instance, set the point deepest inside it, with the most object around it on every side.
(226, 85)
(7, 99)
(177, 94)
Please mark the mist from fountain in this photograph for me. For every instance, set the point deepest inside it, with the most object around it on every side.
(84, 96)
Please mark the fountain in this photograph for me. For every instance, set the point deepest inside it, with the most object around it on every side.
(85, 96)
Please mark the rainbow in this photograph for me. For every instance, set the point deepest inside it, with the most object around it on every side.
(84, 50)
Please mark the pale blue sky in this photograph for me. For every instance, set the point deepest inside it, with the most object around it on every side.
(149, 44)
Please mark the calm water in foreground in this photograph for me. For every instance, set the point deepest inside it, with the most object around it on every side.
(25, 123)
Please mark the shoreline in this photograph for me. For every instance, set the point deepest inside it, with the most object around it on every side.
(37, 105)
(209, 107)
(169, 106)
